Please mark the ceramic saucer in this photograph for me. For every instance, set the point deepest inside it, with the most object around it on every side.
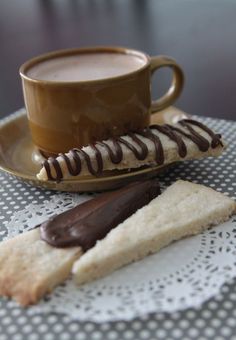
(21, 159)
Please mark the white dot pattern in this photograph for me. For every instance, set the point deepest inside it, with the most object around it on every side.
(216, 319)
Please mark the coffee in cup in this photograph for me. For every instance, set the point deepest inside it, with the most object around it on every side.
(84, 67)
(79, 96)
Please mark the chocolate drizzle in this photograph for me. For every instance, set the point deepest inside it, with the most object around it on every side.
(56, 166)
(216, 138)
(77, 163)
(140, 152)
(116, 155)
(136, 146)
(91, 221)
(169, 132)
(147, 133)
(87, 158)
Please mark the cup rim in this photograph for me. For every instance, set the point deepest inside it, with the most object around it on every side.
(90, 49)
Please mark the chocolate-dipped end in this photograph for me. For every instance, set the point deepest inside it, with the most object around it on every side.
(91, 221)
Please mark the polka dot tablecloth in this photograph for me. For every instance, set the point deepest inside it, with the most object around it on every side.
(216, 319)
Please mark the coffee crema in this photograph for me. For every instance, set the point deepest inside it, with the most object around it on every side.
(85, 67)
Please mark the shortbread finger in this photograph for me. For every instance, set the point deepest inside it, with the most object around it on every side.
(29, 267)
(33, 263)
(184, 209)
(158, 145)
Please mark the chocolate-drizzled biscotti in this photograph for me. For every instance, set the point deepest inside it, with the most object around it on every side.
(156, 145)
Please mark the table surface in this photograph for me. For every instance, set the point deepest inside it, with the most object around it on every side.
(200, 35)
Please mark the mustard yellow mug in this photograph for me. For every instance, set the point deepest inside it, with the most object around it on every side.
(77, 96)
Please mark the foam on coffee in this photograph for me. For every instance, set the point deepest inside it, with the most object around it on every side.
(83, 67)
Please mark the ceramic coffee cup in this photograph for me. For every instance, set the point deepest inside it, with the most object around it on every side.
(77, 96)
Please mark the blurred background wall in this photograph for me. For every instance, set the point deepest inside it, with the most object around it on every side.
(199, 34)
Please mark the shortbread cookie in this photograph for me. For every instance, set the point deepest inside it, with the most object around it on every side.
(157, 145)
(30, 268)
(184, 209)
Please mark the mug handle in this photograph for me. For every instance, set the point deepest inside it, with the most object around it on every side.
(176, 85)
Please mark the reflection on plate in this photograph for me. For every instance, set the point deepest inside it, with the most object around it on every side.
(20, 158)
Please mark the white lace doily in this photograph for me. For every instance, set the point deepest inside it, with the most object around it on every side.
(185, 274)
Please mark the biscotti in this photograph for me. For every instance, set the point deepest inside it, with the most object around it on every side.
(184, 209)
(157, 145)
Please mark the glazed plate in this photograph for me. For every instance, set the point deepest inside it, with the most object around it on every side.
(21, 159)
